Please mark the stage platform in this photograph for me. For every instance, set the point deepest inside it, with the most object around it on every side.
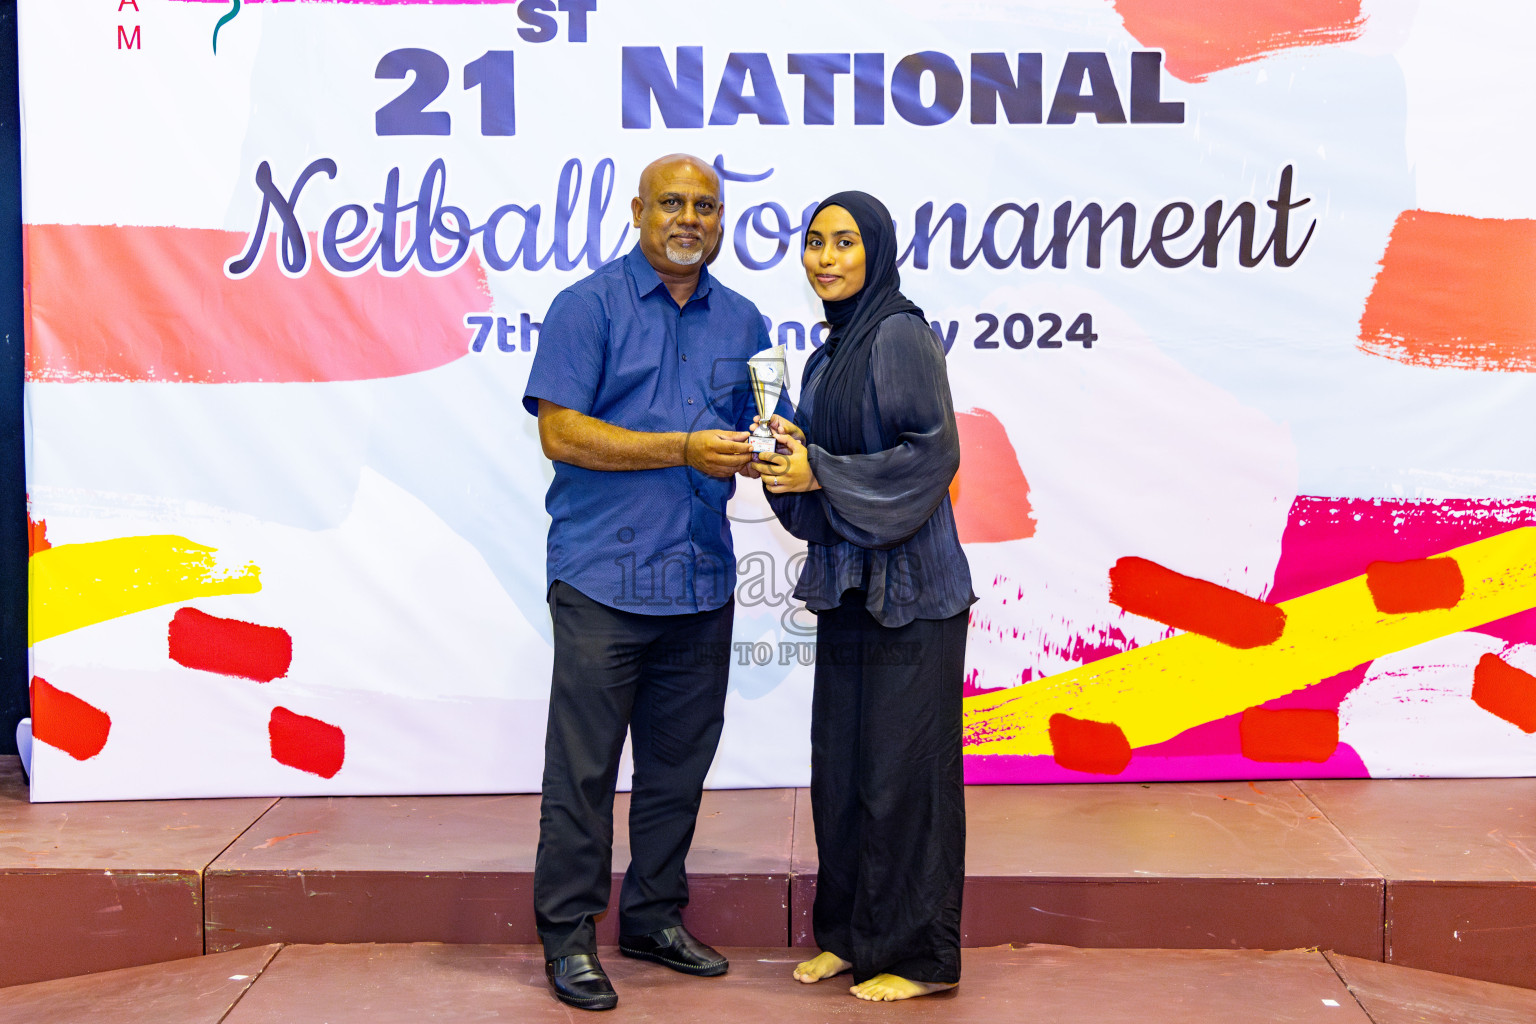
(383, 984)
(1427, 873)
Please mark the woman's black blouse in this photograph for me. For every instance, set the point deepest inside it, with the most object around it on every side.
(882, 522)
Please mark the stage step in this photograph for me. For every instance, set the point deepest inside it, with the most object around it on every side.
(1458, 858)
(91, 887)
(1179, 865)
(1432, 874)
(460, 869)
(384, 984)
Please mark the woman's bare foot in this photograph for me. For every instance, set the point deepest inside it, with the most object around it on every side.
(886, 988)
(822, 965)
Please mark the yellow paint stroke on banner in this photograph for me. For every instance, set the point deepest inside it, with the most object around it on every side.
(75, 585)
(1153, 693)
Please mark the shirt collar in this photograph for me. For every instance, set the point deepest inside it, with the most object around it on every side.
(646, 279)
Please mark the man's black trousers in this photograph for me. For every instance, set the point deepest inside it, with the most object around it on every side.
(663, 679)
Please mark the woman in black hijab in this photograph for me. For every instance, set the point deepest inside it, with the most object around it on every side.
(863, 477)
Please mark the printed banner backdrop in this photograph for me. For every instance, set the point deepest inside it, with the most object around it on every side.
(1239, 302)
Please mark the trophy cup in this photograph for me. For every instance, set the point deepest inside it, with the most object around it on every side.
(770, 374)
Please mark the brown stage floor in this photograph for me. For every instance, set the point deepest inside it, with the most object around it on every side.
(1432, 874)
(381, 984)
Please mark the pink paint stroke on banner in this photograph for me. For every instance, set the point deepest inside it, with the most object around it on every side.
(112, 303)
(371, 3)
(1225, 764)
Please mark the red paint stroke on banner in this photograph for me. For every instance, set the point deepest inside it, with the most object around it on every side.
(1455, 291)
(1204, 36)
(1143, 587)
(307, 744)
(229, 646)
(65, 721)
(1417, 586)
(1501, 689)
(37, 536)
(1083, 746)
(1291, 734)
(990, 494)
(153, 304)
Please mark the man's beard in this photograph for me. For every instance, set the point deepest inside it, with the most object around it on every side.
(684, 257)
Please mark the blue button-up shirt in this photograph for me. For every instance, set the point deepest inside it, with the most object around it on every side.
(616, 346)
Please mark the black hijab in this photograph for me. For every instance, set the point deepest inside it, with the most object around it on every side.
(836, 421)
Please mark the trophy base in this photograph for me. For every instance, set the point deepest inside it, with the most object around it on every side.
(763, 445)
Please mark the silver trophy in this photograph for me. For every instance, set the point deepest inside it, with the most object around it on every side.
(770, 375)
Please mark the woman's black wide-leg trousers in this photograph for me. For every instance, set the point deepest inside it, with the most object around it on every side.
(888, 792)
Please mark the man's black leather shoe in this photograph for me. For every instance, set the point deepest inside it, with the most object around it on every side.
(675, 948)
(579, 981)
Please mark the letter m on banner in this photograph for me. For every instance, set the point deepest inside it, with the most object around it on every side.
(129, 42)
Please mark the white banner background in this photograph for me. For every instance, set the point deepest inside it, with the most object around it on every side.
(397, 522)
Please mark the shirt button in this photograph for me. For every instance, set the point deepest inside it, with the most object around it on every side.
(685, 357)
(698, 493)
(690, 401)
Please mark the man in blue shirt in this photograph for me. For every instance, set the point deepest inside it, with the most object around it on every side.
(641, 389)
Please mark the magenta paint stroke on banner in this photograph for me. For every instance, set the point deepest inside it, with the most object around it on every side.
(370, 3)
(1002, 769)
(1329, 540)
(236, 5)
